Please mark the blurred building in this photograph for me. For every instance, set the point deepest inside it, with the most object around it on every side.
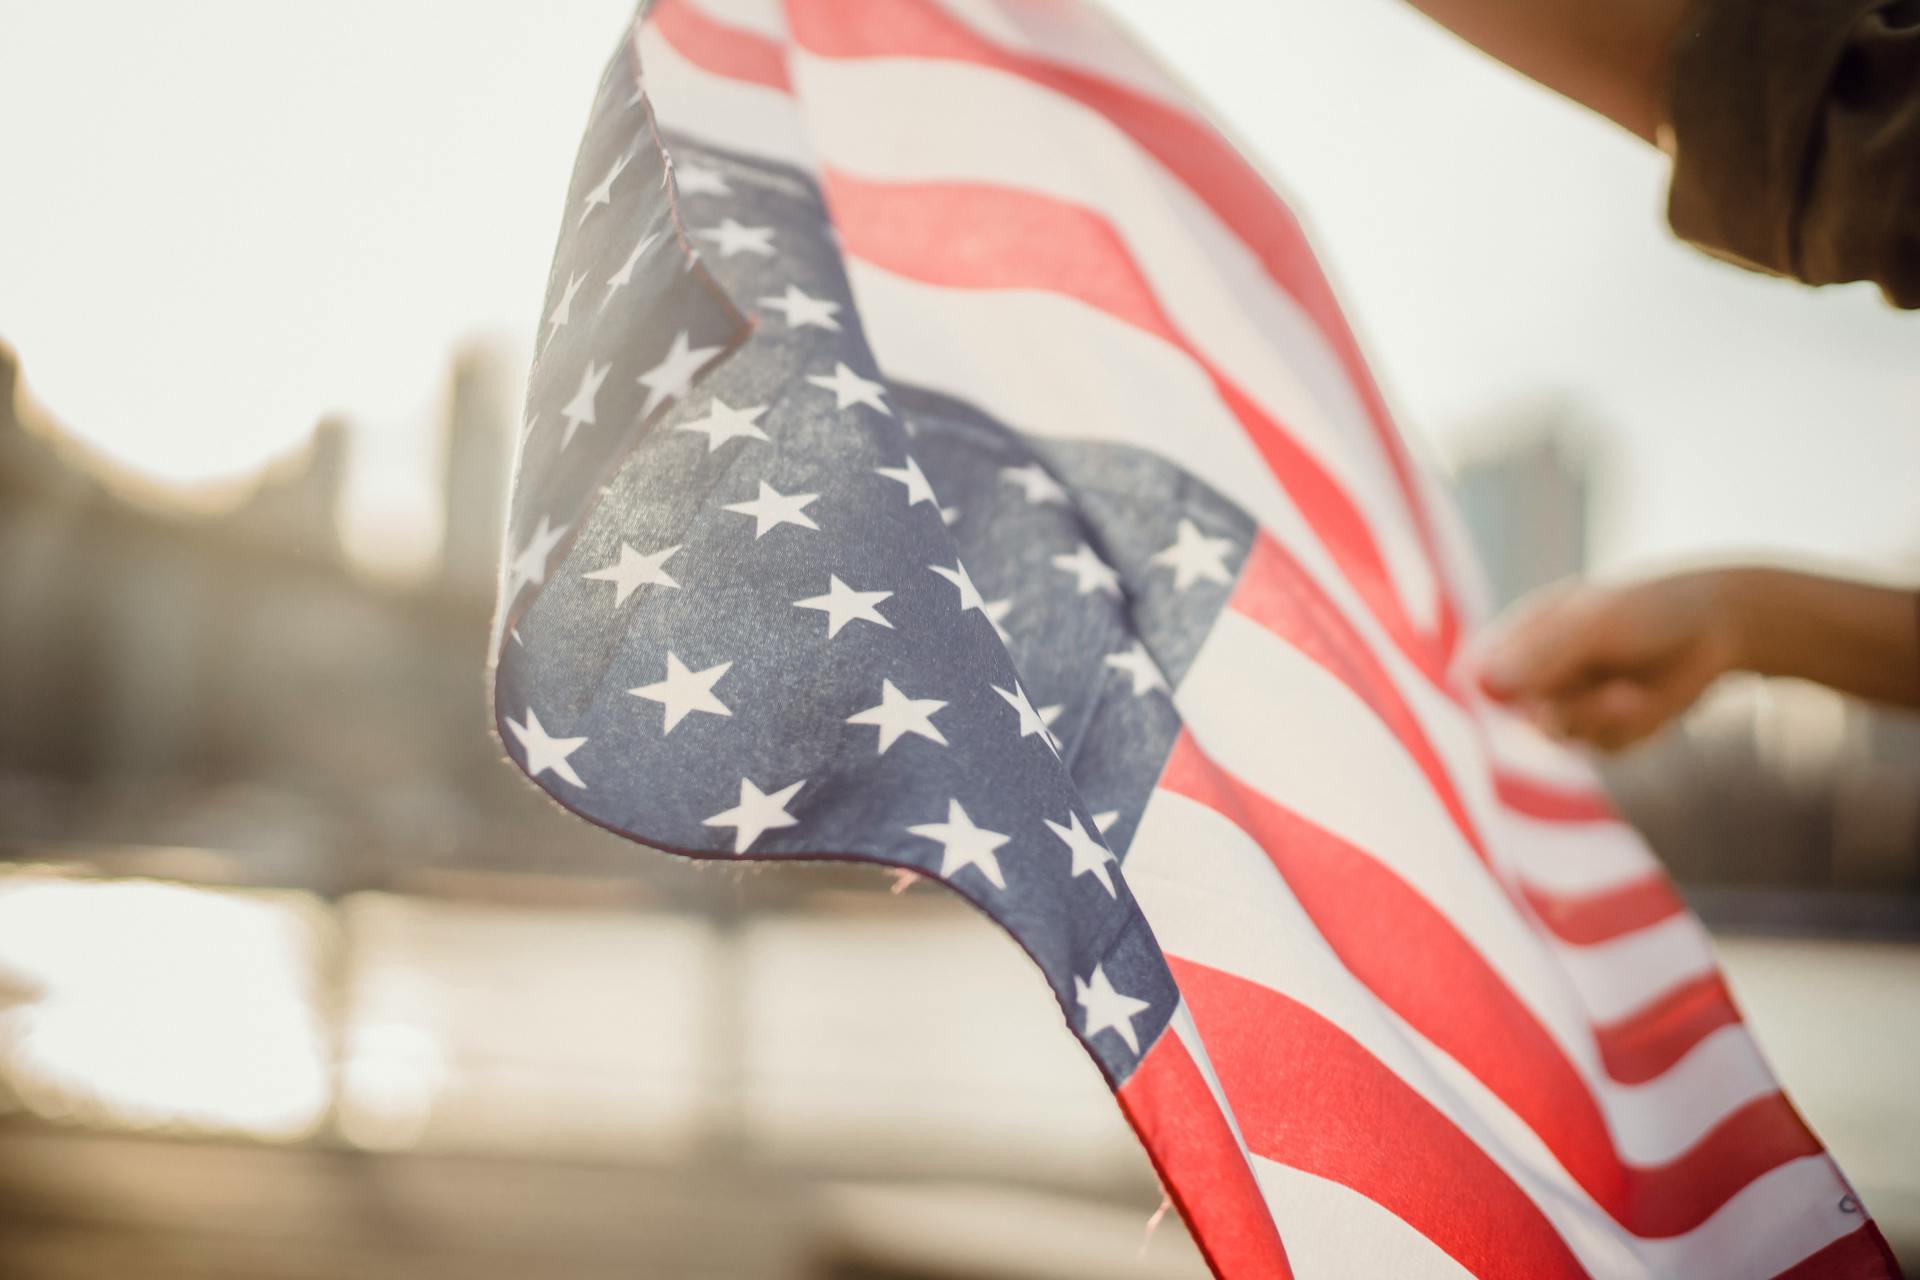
(230, 683)
(478, 446)
(1524, 483)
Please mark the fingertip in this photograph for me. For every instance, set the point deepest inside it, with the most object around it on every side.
(1502, 672)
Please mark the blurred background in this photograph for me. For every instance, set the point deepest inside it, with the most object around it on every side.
(299, 979)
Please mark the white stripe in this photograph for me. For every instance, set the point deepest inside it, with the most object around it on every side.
(764, 18)
(1623, 975)
(735, 114)
(1078, 36)
(892, 119)
(1572, 857)
(1211, 896)
(1523, 750)
(1332, 1232)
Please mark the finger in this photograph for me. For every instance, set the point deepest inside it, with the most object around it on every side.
(1545, 650)
(1620, 712)
(1610, 716)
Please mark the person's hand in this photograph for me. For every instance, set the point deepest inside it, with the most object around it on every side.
(1610, 665)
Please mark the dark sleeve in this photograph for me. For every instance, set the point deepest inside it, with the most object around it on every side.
(1796, 138)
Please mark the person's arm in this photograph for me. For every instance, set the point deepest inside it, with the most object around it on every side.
(1611, 56)
(1611, 665)
(1794, 125)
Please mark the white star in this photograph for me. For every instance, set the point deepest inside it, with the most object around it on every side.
(1090, 572)
(544, 751)
(949, 514)
(1047, 716)
(684, 691)
(1031, 721)
(1107, 1009)
(842, 604)
(1090, 856)
(801, 309)
(773, 508)
(733, 238)
(1105, 819)
(624, 275)
(1139, 664)
(996, 611)
(756, 814)
(633, 572)
(849, 388)
(530, 566)
(918, 490)
(695, 181)
(671, 376)
(1194, 557)
(962, 844)
(579, 410)
(970, 597)
(724, 423)
(898, 714)
(564, 311)
(603, 194)
(1034, 481)
(958, 576)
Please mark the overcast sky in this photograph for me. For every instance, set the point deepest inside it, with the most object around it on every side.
(223, 219)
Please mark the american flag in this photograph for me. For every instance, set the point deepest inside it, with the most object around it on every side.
(943, 451)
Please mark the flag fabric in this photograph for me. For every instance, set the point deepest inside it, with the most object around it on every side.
(942, 451)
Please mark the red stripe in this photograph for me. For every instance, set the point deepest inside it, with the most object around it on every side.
(733, 52)
(971, 236)
(1586, 919)
(1167, 1101)
(974, 236)
(1185, 146)
(1308, 1096)
(1551, 802)
(1404, 951)
(1859, 1255)
(1641, 1046)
